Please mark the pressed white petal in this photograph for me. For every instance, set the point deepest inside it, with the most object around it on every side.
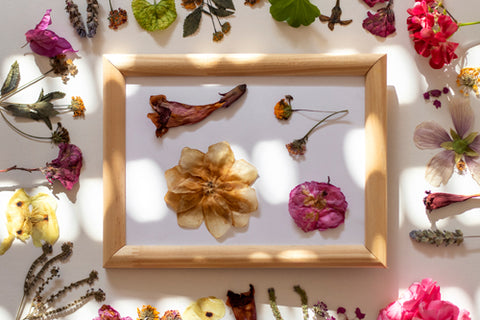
(220, 158)
(462, 115)
(192, 162)
(430, 135)
(242, 171)
(440, 168)
(240, 220)
(191, 219)
(242, 200)
(179, 182)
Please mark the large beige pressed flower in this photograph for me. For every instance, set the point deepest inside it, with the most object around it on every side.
(211, 187)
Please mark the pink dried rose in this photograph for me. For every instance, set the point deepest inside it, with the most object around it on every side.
(66, 167)
(422, 301)
(317, 206)
(106, 312)
(382, 23)
(438, 200)
(46, 42)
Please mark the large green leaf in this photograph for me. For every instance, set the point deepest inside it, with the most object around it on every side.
(294, 12)
(157, 16)
(12, 80)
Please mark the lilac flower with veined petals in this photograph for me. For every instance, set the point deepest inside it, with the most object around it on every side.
(46, 42)
(461, 147)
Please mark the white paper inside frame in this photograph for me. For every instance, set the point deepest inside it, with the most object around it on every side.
(335, 150)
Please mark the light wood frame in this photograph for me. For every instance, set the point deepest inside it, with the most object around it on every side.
(117, 254)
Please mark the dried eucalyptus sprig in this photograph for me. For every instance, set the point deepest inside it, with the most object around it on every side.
(439, 237)
(42, 306)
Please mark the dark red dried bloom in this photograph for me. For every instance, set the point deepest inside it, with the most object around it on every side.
(243, 305)
(438, 200)
(66, 167)
(382, 23)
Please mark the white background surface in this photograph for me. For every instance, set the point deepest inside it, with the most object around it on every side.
(253, 31)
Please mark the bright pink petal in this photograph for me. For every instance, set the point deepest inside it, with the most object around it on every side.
(438, 310)
(45, 22)
(462, 115)
(430, 135)
(440, 168)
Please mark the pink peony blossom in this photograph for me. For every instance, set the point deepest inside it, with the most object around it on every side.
(46, 42)
(422, 301)
(317, 206)
(66, 167)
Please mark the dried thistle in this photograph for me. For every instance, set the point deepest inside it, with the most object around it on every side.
(43, 306)
(438, 237)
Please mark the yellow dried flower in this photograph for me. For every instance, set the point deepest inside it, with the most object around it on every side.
(77, 107)
(148, 313)
(468, 78)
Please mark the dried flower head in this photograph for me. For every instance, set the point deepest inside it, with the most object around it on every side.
(217, 36)
(243, 304)
(60, 135)
(63, 66)
(116, 18)
(107, 312)
(147, 313)
(382, 23)
(438, 200)
(66, 167)
(283, 109)
(468, 80)
(437, 237)
(171, 315)
(212, 187)
(77, 107)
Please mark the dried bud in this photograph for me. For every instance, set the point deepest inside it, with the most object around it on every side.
(440, 199)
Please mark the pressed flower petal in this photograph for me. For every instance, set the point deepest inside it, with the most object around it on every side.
(208, 308)
(181, 202)
(191, 219)
(462, 115)
(430, 135)
(179, 182)
(6, 243)
(192, 162)
(243, 200)
(240, 220)
(217, 216)
(440, 168)
(220, 158)
(473, 164)
(45, 219)
(242, 171)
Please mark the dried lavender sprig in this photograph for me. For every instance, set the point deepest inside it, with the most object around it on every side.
(98, 295)
(75, 18)
(92, 17)
(88, 280)
(273, 304)
(438, 237)
(303, 299)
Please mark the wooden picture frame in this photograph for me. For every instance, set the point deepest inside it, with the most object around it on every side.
(116, 252)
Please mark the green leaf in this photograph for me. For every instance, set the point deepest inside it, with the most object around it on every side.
(224, 4)
(192, 22)
(157, 16)
(220, 12)
(51, 96)
(294, 12)
(12, 80)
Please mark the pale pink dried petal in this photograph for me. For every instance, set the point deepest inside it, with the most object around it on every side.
(430, 135)
(462, 115)
(440, 168)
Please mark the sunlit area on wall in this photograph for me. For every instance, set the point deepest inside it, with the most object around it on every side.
(91, 214)
(354, 144)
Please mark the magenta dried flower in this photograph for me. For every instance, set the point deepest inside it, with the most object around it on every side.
(317, 206)
(438, 200)
(66, 167)
(371, 3)
(106, 312)
(46, 42)
(382, 23)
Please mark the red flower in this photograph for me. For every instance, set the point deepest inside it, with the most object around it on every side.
(430, 30)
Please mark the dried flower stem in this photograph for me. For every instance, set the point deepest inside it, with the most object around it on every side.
(305, 137)
(273, 304)
(304, 300)
(26, 85)
(23, 133)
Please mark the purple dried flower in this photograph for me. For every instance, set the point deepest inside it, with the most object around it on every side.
(437, 103)
(106, 312)
(426, 95)
(446, 90)
(436, 93)
(359, 313)
(341, 310)
(66, 167)
(317, 206)
(382, 23)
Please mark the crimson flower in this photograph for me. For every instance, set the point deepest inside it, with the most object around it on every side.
(371, 3)
(382, 23)
(66, 167)
(46, 42)
(430, 28)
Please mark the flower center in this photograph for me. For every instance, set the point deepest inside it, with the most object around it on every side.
(318, 201)
(460, 146)
(209, 187)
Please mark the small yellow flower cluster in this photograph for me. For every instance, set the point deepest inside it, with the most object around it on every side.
(77, 107)
(468, 78)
